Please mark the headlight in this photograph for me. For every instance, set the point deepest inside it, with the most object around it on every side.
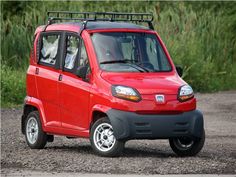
(185, 93)
(126, 93)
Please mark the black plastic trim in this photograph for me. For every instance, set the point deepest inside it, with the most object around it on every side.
(130, 125)
(99, 16)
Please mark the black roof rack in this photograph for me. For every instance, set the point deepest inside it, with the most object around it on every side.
(54, 16)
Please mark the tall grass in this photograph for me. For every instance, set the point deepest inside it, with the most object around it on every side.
(200, 37)
(12, 86)
(203, 43)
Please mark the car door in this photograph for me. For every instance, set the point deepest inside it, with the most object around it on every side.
(47, 74)
(74, 92)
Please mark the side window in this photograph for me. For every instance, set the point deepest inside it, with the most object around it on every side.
(156, 54)
(152, 52)
(49, 49)
(83, 60)
(72, 44)
(164, 61)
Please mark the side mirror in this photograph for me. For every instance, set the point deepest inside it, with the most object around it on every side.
(179, 71)
(82, 72)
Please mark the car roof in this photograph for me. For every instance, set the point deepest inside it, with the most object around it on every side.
(110, 25)
(91, 25)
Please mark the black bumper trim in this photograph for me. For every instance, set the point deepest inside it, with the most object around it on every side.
(129, 125)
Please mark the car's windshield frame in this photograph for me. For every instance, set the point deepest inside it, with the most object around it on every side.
(142, 70)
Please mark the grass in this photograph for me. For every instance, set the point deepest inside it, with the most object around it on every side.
(200, 37)
(12, 86)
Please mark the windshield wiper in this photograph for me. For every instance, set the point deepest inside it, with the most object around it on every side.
(139, 65)
(127, 61)
(116, 61)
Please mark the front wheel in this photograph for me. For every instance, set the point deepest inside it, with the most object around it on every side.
(186, 146)
(103, 140)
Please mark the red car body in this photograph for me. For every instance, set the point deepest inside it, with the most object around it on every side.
(73, 101)
(68, 105)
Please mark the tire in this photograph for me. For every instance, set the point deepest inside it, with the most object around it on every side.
(103, 141)
(35, 137)
(186, 146)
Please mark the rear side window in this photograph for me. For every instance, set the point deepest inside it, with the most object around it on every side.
(49, 49)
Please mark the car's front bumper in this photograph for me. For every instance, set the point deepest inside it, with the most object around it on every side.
(130, 125)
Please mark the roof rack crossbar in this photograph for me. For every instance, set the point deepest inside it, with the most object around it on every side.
(100, 16)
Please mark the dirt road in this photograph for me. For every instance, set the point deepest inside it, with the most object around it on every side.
(140, 156)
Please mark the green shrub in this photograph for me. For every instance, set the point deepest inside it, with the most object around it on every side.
(203, 43)
(200, 37)
(12, 86)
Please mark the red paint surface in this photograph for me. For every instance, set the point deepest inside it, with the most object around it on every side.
(66, 107)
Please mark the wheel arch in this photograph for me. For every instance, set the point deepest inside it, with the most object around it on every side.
(96, 115)
(32, 104)
(27, 109)
(98, 111)
(120, 126)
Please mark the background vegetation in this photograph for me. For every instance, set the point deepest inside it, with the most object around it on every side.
(200, 37)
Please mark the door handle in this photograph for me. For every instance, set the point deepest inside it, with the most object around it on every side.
(37, 71)
(60, 77)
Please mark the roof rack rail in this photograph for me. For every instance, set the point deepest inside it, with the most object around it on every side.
(100, 16)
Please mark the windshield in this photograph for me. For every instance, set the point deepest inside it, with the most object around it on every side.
(130, 52)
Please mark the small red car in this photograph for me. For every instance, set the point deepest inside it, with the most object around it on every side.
(104, 77)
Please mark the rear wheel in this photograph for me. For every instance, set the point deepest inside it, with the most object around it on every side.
(103, 140)
(35, 137)
(186, 146)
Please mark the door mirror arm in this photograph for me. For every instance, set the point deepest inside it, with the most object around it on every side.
(179, 70)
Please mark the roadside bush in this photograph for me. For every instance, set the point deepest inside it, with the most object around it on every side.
(200, 37)
(12, 86)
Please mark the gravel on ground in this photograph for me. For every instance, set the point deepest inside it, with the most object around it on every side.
(140, 156)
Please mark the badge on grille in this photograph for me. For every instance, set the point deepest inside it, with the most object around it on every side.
(160, 98)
